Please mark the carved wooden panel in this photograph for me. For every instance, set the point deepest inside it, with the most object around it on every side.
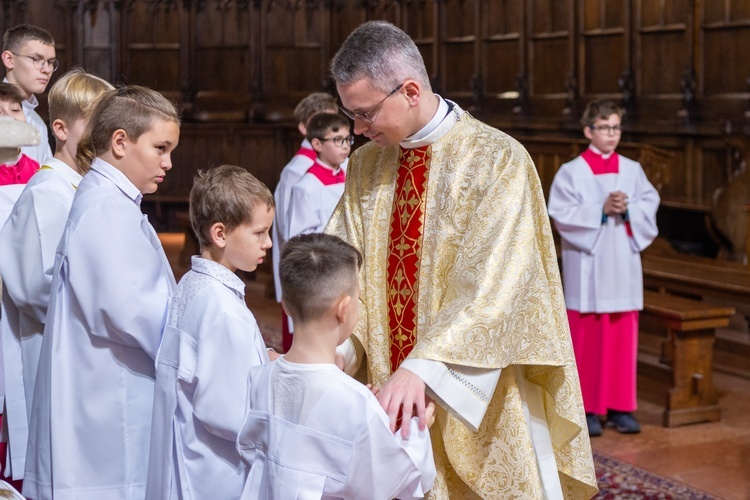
(97, 29)
(551, 53)
(604, 50)
(503, 67)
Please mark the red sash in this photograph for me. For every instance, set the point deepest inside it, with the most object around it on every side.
(404, 250)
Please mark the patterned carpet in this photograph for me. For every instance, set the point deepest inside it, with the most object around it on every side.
(620, 480)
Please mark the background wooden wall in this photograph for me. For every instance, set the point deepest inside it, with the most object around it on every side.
(238, 67)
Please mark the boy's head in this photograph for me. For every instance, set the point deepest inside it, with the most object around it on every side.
(318, 272)
(10, 102)
(330, 137)
(317, 102)
(231, 213)
(71, 101)
(29, 58)
(601, 122)
(136, 129)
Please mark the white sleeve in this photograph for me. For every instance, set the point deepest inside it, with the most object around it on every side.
(578, 221)
(388, 467)
(464, 391)
(642, 207)
(304, 214)
(120, 283)
(227, 349)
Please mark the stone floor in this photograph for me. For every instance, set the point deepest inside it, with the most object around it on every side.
(714, 457)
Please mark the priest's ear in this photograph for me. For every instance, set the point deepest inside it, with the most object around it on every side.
(413, 91)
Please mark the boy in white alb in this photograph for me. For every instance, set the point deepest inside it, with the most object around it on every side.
(90, 423)
(317, 193)
(317, 102)
(311, 431)
(29, 59)
(28, 242)
(604, 208)
(210, 343)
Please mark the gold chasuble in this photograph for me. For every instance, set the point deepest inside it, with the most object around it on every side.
(460, 269)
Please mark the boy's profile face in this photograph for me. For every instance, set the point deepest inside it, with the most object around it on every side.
(30, 67)
(604, 134)
(145, 161)
(334, 148)
(246, 245)
(13, 110)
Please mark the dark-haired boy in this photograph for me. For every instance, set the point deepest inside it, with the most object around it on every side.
(311, 431)
(29, 59)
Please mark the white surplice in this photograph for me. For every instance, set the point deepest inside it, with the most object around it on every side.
(290, 175)
(91, 415)
(311, 204)
(209, 345)
(28, 242)
(601, 262)
(311, 431)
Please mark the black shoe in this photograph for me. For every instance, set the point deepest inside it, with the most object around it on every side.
(594, 425)
(624, 422)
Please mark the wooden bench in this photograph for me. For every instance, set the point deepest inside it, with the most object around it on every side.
(676, 351)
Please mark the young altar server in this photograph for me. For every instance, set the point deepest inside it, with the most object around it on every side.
(210, 343)
(303, 159)
(311, 431)
(29, 58)
(604, 208)
(91, 414)
(28, 242)
(317, 193)
(19, 169)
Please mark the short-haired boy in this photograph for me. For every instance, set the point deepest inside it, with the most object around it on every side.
(210, 343)
(604, 208)
(20, 170)
(317, 193)
(317, 102)
(29, 59)
(310, 427)
(28, 243)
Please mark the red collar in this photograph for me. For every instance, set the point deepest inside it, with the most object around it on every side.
(600, 165)
(326, 175)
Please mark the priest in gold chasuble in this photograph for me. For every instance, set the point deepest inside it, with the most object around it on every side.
(461, 296)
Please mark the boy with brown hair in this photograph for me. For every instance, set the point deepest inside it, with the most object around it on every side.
(317, 102)
(317, 193)
(29, 60)
(311, 430)
(210, 343)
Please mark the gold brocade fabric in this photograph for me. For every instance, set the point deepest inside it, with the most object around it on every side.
(490, 296)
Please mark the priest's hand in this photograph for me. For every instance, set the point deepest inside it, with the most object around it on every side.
(402, 394)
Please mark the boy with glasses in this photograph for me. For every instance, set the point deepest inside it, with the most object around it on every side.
(318, 192)
(604, 208)
(29, 60)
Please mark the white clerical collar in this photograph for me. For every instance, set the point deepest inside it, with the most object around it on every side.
(446, 116)
(598, 151)
(118, 178)
(63, 169)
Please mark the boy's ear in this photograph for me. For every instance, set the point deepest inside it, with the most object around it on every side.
(117, 143)
(7, 59)
(587, 132)
(342, 308)
(317, 145)
(60, 130)
(302, 128)
(218, 235)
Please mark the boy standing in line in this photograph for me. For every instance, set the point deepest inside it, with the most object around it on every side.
(29, 60)
(210, 343)
(317, 102)
(311, 431)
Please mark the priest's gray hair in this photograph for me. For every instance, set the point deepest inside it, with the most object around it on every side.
(382, 53)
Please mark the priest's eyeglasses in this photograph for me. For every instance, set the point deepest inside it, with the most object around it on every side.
(607, 129)
(39, 62)
(368, 116)
(340, 140)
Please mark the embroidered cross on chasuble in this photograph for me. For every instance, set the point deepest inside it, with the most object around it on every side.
(404, 250)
